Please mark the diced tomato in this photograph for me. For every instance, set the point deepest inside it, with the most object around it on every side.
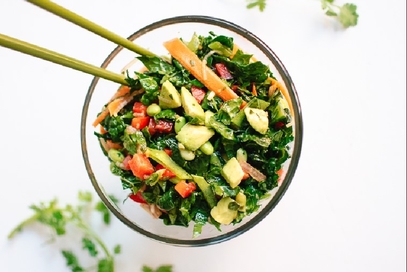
(223, 71)
(141, 166)
(126, 162)
(138, 197)
(168, 151)
(140, 122)
(279, 125)
(198, 93)
(163, 126)
(235, 87)
(151, 126)
(185, 188)
(139, 109)
(167, 173)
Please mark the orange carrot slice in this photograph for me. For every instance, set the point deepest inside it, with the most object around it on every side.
(198, 69)
(254, 90)
(122, 91)
(100, 117)
(116, 105)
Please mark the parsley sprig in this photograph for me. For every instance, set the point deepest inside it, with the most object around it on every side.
(346, 14)
(58, 218)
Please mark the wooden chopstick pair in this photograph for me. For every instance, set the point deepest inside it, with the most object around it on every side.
(52, 56)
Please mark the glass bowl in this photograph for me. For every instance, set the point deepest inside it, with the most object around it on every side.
(100, 91)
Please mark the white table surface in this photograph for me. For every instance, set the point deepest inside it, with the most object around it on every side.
(346, 207)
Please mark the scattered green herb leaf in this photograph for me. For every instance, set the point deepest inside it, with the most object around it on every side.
(58, 217)
(346, 14)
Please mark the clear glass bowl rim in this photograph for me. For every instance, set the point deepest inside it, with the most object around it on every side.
(297, 137)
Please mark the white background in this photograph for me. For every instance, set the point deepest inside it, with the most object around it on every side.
(346, 207)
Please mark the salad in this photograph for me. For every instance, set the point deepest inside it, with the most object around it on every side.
(199, 137)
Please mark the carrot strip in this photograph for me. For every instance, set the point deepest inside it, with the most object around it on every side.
(254, 90)
(196, 67)
(283, 91)
(115, 106)
(122, 91)
(101, 117)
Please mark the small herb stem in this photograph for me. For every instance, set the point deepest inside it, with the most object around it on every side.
(23, 224)
(80, 224)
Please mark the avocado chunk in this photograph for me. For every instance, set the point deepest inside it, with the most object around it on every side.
(224, 212)
(254, 103)
(169, 97)
(193, 136)
(232, 172)
(258, 119)
(280, 112)
(190, 105)
(162, 158)
(206, 190)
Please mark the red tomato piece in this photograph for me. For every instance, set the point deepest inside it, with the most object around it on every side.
(126, 162)
(141, 166)
(198, 93)
(167, 173)
(168, 151)
(223, 71)
(185, 188)
(163, 126)
(138, 197)
(151, 126)
(279, 125)
(139, 109)
(140, 122)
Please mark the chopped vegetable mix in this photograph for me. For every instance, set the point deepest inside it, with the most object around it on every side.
(179, 136)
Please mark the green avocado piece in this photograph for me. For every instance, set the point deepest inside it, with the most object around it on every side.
(222, 212)
(280, 112)
(169, 97)
(258, 119)
(193, 136)
(232, 172)
(206, 190)
(162, 158)
(190, 105)
(254, 103)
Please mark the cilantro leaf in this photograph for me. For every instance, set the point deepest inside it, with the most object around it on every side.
(117, 249)
(72, 261)
(106, 265)
(261, 4)
(163, 268)
(348, 15)
(90, 246)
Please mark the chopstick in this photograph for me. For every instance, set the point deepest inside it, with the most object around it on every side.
(91, 26)
(45, 54)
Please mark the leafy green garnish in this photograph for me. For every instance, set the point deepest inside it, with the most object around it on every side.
(261, 4)
(58, 218)
(163, 268)
(346, 14)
